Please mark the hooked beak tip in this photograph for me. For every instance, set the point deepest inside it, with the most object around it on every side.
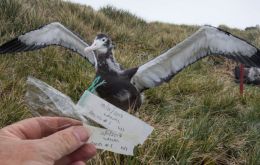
(87, 49)
(90, 48)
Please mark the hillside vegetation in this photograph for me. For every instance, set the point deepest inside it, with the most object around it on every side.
(199, 117)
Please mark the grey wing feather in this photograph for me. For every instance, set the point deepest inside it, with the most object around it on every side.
(51, 34)
(206, 41)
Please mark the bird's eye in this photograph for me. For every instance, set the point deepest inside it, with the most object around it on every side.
(103, 39)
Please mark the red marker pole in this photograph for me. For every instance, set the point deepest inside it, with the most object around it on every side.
(241, 79)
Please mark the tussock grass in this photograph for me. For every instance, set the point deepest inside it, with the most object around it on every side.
(199, 117)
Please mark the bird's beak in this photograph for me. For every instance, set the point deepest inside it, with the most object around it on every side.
(93, 47)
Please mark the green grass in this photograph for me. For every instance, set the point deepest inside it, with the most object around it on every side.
(199, 117)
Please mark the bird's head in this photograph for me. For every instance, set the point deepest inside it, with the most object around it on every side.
(101, 44)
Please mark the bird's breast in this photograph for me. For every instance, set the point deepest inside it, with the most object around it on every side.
(120, 93)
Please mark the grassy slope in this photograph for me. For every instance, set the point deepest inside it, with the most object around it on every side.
(199, 116)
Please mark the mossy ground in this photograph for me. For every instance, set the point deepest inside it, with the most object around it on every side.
(199, 117)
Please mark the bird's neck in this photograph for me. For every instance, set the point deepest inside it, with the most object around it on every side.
(107, 63)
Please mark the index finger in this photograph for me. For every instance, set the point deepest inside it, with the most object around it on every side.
(38, 127)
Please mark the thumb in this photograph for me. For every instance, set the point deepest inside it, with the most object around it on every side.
(64, 142)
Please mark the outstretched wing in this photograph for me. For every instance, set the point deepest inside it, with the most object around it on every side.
(51, 34)
(206, 41)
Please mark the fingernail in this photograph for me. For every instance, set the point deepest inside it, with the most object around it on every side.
(81, 133)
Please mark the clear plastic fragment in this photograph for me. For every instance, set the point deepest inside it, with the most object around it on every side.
(45, 100)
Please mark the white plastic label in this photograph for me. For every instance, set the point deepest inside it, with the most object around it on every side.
(111, 117)
(112, 141)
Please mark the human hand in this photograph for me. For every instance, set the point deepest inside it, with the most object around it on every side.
(45, 141)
